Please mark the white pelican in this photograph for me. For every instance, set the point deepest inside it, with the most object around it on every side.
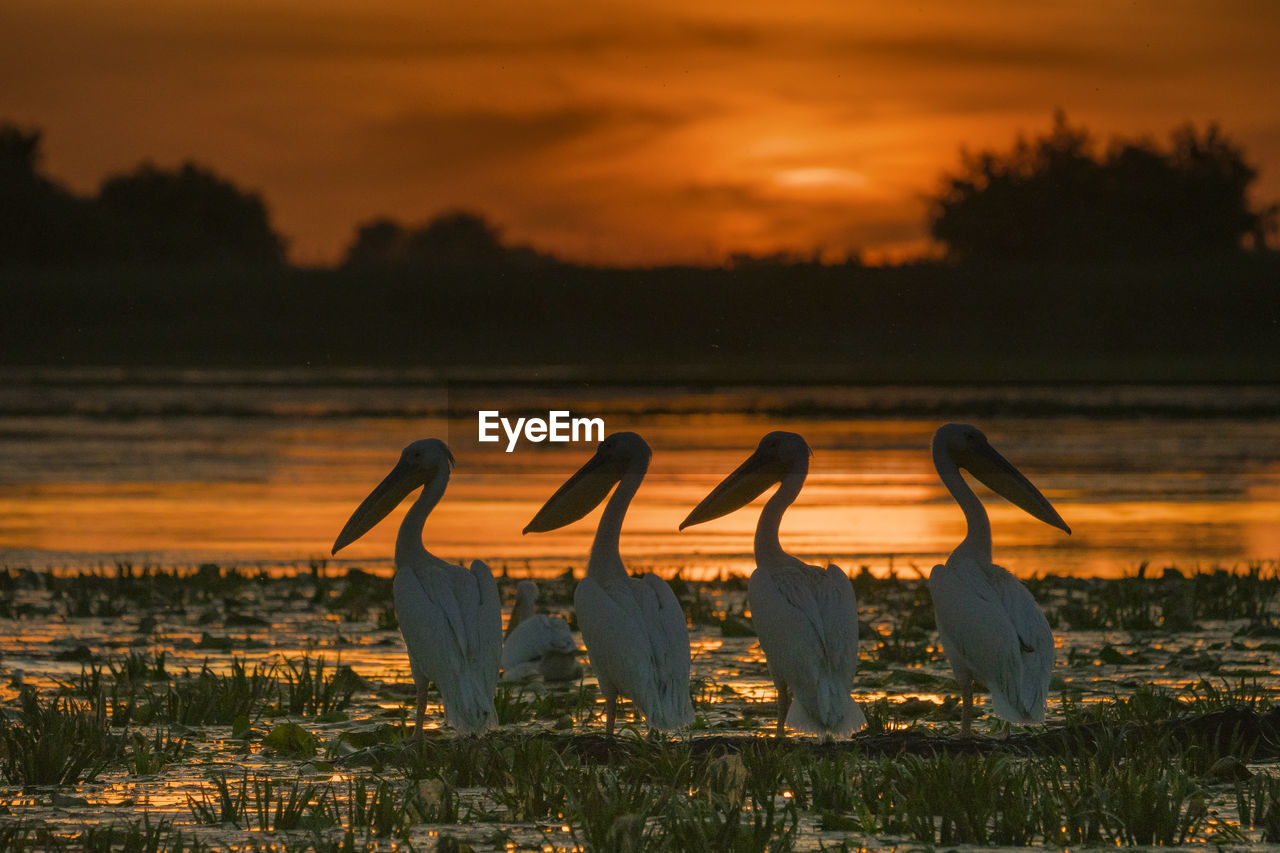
(806, 617)
(537, 643)
(633, 628)
(449, 616)
(989, 625)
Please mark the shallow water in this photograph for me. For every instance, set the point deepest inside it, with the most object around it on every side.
(263, 468)
(213, 621)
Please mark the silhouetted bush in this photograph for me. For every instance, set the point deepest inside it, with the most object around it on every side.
(150, 215)
(189, 215)
(455, 239)
(40, 222)
(1057, 198)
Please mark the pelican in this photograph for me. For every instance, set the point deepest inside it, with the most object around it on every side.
(536, 642)
(633, 628)
(449, 616)
(989, 625)
(806, 617)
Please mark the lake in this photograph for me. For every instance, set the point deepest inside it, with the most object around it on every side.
(244, 467)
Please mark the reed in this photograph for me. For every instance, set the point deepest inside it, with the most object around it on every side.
(54, 742)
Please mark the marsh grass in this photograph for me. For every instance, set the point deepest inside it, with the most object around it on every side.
(1258, 805)
(141, 836)
(518, 702)
(1172, 601)
(54, 742)
(211, 698)
(147, 756)
(264, 805)
(374, 806)
(1149, 767)
(309, 691)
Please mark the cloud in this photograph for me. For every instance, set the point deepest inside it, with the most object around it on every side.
(482, 138)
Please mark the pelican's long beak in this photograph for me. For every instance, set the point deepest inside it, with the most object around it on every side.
(999, 475)
(394, 488)
(740, 488)
(580, 494)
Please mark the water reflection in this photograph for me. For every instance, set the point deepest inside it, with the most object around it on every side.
(250, 468)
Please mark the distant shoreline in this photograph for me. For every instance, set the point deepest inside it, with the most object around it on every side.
(1200, 320)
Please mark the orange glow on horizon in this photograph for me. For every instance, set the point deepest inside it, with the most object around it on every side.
(635, 133)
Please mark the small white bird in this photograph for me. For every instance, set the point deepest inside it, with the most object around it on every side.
(450, 617)
(633, 628)
(537, 643)
(988, 623)
(806, 617)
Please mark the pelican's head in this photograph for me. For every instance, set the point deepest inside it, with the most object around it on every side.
(526, 594)
(966, 447)
(777, 455)
(420, 463)
(526, 604)
(617, 455)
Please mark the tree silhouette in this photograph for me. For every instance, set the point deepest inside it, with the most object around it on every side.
(1055, 198)
(458, 238)
(188, 215)
(40, 222)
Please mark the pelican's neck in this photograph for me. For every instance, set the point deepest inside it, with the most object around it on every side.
(767, 547)
(977, 539)
(409, 540)
(605, 563)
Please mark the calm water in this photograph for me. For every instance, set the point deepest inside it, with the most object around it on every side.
(265, 467)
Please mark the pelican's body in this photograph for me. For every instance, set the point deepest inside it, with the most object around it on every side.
(633, 628)
(537, 644)
(449, 616)
(990, 626)
(806, 617)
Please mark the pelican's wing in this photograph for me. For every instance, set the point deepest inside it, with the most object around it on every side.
(979, 614)
(807, 621)
(450, 592)
(534, 637)
(668, 634)
(839, 607)
(668, 630)
(612, 632)
(638, 644)
(488, 619)
(1035, 642)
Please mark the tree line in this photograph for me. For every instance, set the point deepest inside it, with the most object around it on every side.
(1058, 196)
(183, 215)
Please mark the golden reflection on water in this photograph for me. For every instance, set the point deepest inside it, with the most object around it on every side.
(276, 489)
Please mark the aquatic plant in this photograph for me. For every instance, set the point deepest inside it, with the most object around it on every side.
(58, 742)
(146, 756)
(607, 811)
(375, 806)
(309, 691)
(1258, 805)
(263, 804)
(211, 698)
(535, 787)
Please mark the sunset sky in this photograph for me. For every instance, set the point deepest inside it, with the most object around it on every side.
(619, 131)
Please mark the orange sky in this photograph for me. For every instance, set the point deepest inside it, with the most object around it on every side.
(618, 131)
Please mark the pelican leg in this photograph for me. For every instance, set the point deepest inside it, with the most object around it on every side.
(422, 711)
(966, 707)
(610, 711)
(784, 705)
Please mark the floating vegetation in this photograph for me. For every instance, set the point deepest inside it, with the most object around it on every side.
(1157, 735)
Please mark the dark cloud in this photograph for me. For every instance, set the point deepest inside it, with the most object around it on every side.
(479, 137)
